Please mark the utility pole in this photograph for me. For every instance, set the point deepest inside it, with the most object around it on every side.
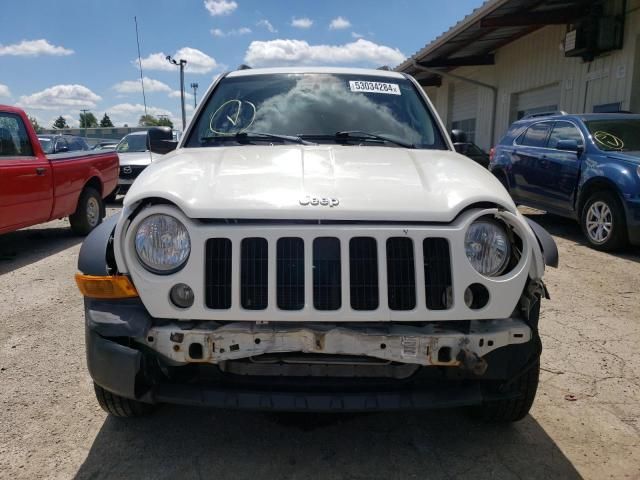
(194, 85)
(84, 116)
(181, 63)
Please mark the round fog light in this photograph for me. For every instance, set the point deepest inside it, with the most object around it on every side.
(181, 295)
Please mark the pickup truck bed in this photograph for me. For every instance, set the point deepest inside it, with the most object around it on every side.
(35, 188)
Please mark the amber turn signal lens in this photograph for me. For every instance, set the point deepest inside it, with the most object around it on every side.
(116, 286)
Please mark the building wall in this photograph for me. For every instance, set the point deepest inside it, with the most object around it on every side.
(537, 61)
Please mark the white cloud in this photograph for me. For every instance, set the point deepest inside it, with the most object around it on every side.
(339, 23)
(298, 52)
(220, 7)
(176, 94)
(60, 97)
(301, 22)
(33, 48)
(4, 91)
(216, 32)
(197, 61)
(134, 86)
(130, 113)
(356, 35)
(267, 24)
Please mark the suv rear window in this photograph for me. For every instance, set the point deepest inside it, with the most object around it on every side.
(536, 135)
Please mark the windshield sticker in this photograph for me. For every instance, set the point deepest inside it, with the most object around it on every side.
(374, 87)
(608, 140)
(232, 117)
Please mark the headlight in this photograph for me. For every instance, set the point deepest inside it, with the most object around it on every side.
(162, 244)
(488, 247)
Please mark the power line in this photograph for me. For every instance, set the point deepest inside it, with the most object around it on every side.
(144, 98)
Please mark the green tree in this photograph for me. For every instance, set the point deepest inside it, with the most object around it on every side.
(148, 121)
(165, 122)
(35, 124)
(106, 121)
(88, 120)
(60, 123)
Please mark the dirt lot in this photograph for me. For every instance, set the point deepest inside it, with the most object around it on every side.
(585, 422)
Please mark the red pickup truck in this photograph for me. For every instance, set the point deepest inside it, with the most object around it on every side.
(35, 188)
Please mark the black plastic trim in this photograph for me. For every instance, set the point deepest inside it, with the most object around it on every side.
(92, 259)
(547, 244)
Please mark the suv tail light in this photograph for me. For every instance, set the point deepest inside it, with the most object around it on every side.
(492, 153)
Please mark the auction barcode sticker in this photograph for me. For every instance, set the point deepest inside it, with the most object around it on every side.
(374, 87)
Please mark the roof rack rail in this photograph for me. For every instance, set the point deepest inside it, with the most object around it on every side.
(544, 114)
(244, 66)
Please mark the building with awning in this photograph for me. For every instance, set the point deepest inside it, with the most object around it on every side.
(511, 58)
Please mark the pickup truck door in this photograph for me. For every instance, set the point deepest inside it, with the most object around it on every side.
(560, 168)
(26, 186)
(526, 157)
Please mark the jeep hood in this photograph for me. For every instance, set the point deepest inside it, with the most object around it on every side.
(271, 182)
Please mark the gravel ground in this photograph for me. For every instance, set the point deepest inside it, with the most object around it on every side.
(585, 421)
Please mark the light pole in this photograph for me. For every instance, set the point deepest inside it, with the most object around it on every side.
(194, 85)
(181, 63)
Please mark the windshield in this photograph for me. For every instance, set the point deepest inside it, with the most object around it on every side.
(316, 107)
(132, 143)
(47, 144)
(615, 135)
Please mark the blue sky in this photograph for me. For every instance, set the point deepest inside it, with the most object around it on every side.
(59, 57)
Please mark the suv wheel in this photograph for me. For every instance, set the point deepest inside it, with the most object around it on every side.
(514, 409)
(89, 212)
(603, 221)
(119, 406)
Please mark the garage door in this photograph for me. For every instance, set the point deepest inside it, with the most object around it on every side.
(464, 108)
(538, 100)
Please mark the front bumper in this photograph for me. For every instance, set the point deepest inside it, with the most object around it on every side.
(632, 207)
(121, 359)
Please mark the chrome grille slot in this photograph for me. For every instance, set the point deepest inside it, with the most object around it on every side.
(290, 273)
(401, 274)
(363, 270)
(327, 280)
(254, 291)
(218, 273)
(437, 273)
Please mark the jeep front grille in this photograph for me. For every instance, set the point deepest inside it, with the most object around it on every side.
(361, 271)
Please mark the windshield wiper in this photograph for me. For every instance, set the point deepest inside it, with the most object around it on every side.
(249, 136)
(362, 135)
(358, 135)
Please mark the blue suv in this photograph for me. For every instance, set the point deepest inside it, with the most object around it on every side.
(585, 167)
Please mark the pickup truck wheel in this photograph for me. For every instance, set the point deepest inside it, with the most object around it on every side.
(89, 212)
(603, 222)
(119, 406)
(512, 410)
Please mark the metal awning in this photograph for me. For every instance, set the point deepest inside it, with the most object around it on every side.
(474, 39)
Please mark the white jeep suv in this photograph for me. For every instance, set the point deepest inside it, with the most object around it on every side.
(315, 243)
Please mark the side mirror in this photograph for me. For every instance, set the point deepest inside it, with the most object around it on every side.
(461, 148)
(160, 140)
(458, 136)
(569, 146)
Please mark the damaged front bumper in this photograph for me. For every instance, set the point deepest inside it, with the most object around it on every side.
(431, 344)
(134, 355)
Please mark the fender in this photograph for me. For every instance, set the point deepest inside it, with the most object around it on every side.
(92, 259)
(547, 244)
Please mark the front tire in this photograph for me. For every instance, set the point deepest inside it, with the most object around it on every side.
(120, 406)
(89, 212)
(512, 410)
(603, 223)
